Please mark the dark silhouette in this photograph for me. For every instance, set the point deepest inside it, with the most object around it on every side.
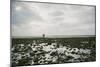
(43, 35)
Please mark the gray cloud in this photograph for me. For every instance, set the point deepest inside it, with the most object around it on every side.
(57, 13)
(34, 19)
(25, 14)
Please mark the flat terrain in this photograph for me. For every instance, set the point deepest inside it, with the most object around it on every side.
(36, 51)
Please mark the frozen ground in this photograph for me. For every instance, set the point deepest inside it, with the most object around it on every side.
(52, 51)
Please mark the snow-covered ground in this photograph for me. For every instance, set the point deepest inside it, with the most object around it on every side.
(44, 53)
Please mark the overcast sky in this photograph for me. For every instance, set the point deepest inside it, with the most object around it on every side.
(35, 19)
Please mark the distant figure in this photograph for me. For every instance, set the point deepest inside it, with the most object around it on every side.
(43, 35)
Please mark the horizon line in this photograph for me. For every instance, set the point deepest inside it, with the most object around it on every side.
(54, 36)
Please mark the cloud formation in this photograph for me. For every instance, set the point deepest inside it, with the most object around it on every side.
(35, 19)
